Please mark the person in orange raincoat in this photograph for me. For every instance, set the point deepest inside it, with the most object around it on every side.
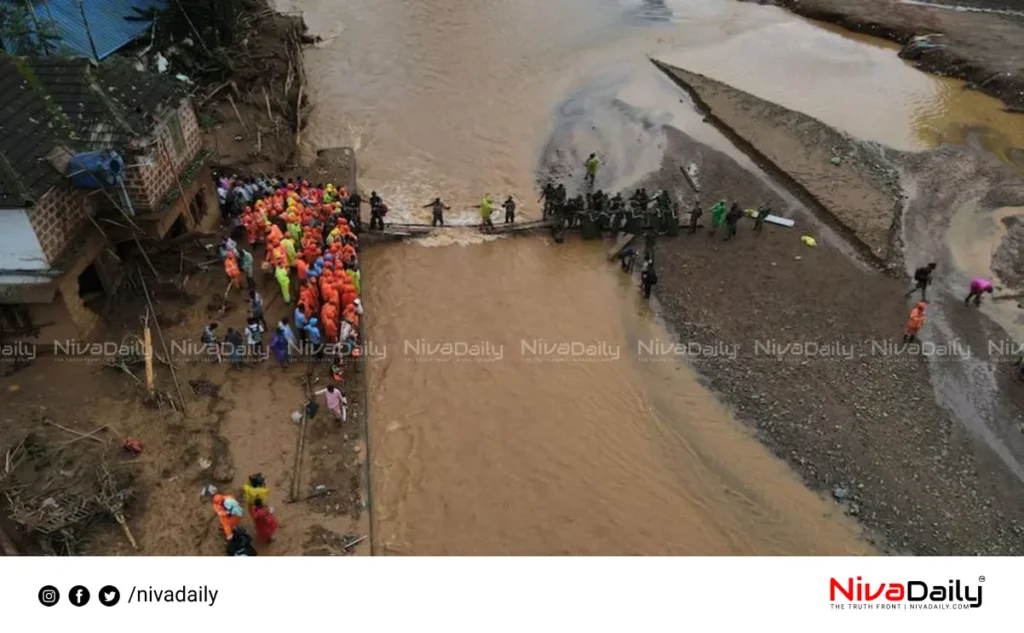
(249, 222)
(915, 323)
(231, 268)
(329, 318)
(229, 512)
(274, 235)
(302, 268)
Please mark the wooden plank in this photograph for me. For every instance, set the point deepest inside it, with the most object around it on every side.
(150, 376)
(689, 180)
(620, 244)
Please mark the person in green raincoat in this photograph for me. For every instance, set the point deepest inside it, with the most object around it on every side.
(593, 162)
(486, 208)
(353, 275)
(282, 279)
(718, 215)
(295, 230)
(246, 263)
(289, 248)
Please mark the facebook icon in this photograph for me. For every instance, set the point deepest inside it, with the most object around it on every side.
(79, 596)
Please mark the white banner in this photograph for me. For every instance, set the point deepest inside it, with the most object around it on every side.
(509, 594)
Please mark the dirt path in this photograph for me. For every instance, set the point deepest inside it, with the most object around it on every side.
(985, 49)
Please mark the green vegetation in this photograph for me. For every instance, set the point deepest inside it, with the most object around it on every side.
(24, 33)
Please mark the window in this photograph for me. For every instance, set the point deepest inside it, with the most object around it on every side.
(177, 136)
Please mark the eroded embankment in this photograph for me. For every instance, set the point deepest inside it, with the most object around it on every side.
(848, 183)
(987, 50)
(819, 372)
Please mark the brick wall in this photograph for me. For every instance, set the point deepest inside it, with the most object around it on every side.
(158, 170)
(58, 217)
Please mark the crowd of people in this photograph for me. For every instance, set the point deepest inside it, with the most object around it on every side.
(230, 513)
(642, 213)
(309, 235)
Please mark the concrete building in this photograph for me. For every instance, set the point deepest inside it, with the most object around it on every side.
(58, 243)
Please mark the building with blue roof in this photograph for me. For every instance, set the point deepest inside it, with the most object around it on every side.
(88, 28)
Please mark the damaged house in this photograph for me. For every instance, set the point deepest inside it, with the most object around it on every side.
(91, 156)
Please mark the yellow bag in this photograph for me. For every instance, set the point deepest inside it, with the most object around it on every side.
(808, 240)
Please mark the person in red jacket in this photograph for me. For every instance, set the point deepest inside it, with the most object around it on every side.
(265, 521)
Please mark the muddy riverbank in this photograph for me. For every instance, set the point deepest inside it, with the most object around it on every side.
(851, 411)
(845, 180)
(985, 49)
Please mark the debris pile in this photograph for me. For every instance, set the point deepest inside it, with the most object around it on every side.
(56, 495)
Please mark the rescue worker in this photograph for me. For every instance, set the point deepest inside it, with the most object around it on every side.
(718, 215)
(922, 279)
(593, 162)
(732, 220)
(915, 322)
(617, 207)
(979, 286)
(648, 278)
(486, 207)
(664, 201)
(376, 211)
(235, 346)
(627, 258)
(438, 208)
(560, 196)
(763, 212)
(510, 210)
(255, 489)
(695, 216)
(254, 337)
(246, 264)
(281, 274)
(548, 196)
(256, 307)
(232, 270)
(229, 513)
(240, 544)
(264, 520)
(209, 339)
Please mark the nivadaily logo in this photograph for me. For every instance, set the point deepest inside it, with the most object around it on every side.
(913, 594)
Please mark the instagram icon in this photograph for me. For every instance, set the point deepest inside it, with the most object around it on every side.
(49, 596)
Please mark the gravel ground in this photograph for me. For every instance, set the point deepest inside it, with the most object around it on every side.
(858, 422)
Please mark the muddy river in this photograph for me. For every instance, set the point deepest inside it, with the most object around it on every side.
(496, 449)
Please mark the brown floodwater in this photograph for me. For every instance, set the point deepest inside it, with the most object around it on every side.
(475, 454)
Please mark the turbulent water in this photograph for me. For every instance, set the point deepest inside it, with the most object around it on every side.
(475, 454)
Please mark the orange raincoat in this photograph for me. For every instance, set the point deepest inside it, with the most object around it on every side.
(916, 320)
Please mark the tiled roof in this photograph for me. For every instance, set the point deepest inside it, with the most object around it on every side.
(50, 101)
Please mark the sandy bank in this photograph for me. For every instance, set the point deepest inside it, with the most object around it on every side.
(846, 181)
(985, 49)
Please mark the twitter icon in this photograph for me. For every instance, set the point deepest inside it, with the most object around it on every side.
(109, 596)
